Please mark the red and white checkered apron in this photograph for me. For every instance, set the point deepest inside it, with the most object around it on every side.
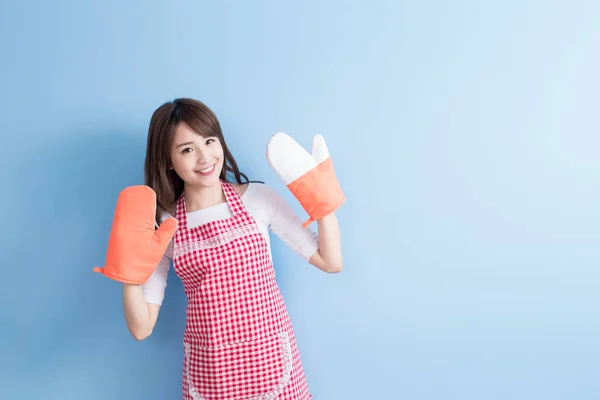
(238, 342)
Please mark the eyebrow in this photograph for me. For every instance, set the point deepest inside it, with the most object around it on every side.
(188, 143)
(184, 144)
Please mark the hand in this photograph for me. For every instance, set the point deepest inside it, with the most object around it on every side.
(135, 247)
(310, 177)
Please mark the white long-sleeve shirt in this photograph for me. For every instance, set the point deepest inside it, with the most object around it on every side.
(267, 207)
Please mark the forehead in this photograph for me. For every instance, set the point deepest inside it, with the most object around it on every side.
(184, 133)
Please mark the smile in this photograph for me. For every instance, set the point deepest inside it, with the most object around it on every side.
(207, 171)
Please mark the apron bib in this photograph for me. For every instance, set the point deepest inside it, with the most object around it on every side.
(238, 341)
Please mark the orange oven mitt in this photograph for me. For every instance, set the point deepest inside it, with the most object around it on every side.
(135, 247)
(310, 177)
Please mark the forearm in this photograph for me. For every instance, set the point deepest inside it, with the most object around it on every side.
(139, 315)
(330, 246)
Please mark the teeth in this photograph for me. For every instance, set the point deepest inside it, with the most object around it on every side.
(207, 169)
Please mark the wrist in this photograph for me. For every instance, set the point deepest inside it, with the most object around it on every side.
(132, 286)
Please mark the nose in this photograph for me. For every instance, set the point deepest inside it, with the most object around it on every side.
(202, 157)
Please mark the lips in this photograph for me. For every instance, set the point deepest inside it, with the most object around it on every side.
(207, 171)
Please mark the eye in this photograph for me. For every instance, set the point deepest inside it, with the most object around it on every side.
(209, 141)
(186, 150)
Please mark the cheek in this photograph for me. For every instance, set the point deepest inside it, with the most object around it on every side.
(221, 161)
(179, 164)
(219, 155)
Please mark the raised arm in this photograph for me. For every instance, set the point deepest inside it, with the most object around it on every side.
(135, 250)
(312, 180)
(140, 316)
(323, 250)
(329, 255)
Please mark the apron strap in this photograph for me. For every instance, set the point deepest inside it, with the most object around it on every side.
(233, 199)
(181, 217)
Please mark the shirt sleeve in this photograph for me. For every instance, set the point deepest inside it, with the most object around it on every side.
(284, 223)
(154, 288)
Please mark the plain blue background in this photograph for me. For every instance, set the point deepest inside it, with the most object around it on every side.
(465, 135)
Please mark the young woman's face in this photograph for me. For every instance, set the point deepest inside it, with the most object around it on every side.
(196, 159)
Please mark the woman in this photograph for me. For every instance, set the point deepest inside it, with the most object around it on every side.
(239, 342)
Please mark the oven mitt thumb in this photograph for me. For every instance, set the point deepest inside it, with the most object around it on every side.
(310, 177)
(135, 247)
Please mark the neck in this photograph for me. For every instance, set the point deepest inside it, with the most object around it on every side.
(197, 198)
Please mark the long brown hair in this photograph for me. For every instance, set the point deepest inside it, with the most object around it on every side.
(158, 175)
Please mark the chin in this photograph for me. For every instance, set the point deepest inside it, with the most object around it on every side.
(212, 181)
